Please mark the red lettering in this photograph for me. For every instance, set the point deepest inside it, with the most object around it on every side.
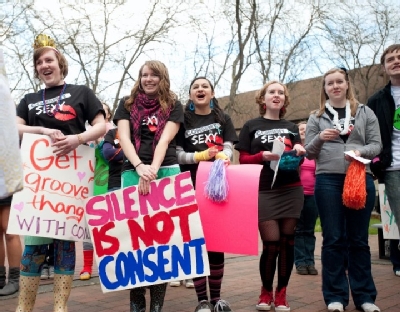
(100, 236)
(136, 232)
(61, 162)
(62, 159)
(183, 214)
(33, 159)
(151, 225)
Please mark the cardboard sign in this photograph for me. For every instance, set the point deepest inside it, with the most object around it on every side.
(390, 229)
(231, 226)
(144, 240)
(55, 189)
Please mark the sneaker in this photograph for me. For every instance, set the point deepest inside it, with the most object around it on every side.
(222, 306)
(302, 270)
(265, 301)
(175, 283)
(312, 270)
(397, 273)
(84, 276)
(370, 307)
(204, 306)
(281, 304)
(51, 271)
(45, 273)
(335, 307)
(189, 283)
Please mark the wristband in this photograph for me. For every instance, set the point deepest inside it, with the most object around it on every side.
(138, 165)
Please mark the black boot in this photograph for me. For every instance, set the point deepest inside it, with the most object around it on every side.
(137, 300)
(157, 295)
(13, 282)
(2, 276)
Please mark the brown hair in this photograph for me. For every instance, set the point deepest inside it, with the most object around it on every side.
(349, 94)
(165, 96)
(62, 61)
(389, 49)
(260, 97)
(107, 110)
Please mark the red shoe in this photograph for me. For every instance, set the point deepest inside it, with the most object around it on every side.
(265, 301)
(281, 304)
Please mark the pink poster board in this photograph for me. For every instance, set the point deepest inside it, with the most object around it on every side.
(231, 226)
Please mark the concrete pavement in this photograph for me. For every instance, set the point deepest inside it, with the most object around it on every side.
(241, 288)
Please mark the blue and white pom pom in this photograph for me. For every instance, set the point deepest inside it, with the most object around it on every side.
(216, 188)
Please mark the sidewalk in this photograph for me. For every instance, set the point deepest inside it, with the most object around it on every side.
(240, 288)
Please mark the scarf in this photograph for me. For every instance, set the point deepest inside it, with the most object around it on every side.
(345, 129)
(144, 107)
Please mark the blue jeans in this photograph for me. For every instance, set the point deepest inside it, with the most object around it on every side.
(345, 234)
(395, 254)
(304, 239)
(392, 188)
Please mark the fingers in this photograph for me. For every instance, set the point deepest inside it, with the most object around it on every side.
(144, 186)
(329, 134)
(65, 145)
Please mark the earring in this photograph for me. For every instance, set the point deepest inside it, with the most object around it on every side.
(264, 107)
(191, 106)
(211, 103)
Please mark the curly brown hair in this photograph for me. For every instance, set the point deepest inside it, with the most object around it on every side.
(166, 97)
(260, 98)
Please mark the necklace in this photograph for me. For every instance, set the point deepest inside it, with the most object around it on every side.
(57, 108)
(345, 129)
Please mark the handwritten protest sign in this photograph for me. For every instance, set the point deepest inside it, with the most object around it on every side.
(55, 189)
(144, 240)
(231, 226)
(390, 229)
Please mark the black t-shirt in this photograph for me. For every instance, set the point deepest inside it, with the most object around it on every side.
(341, 116)
(147, 133)
(78, 104)
(114, 166)
(258, 135)
(203, 133)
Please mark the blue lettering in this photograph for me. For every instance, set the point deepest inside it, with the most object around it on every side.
(197, 243)
(150, 264)
(162, 261)
(183, 261)
(102, 273)
(130, 267)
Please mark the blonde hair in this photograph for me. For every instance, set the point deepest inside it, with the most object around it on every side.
(260, 97)
(349, 94)
(165, 96)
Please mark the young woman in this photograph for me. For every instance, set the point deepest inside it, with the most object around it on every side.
(207, 134)
(342, 124)
(304, 238)
(60, 111)
(148, 121)
(279, 206)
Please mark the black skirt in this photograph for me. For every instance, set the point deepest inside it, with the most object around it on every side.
(285, 202)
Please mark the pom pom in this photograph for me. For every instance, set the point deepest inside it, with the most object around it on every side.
(355, 188)
(290, 161)
(216, 188)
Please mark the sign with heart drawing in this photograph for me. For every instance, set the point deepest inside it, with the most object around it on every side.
(52, 201)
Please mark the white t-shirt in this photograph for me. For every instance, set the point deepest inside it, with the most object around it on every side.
(395, 91)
